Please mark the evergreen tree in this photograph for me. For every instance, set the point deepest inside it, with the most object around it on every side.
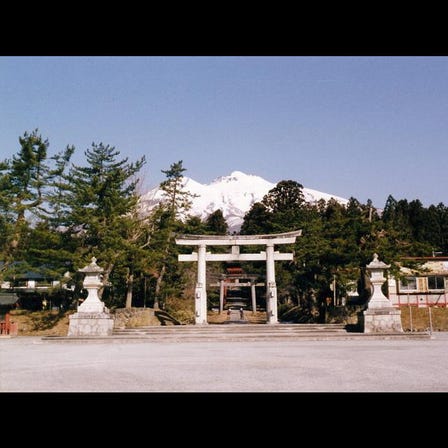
(166, 221)
(309, 249)
(22, 180)
(215, 223)
(285, 202)
(193, 226)
(417, 219)
(257, 221)
(59, 182)
(99, 205)
(435, 228)
(176, 199)
(48, 245)
(287, 195)
(28, 239)
(282, 209)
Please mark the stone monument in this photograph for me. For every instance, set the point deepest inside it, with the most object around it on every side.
(92, 318)
(380, 316)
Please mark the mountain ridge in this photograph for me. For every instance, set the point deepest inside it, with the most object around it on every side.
(234, 194)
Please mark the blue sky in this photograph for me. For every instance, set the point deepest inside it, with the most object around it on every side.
(364, 127)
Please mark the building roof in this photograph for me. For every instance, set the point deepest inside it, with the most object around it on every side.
(35, 274)
(8, 298)
(429, 266)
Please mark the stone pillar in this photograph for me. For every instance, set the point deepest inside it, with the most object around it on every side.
(254, 297)
(221, 296)
(200, 292)
(92, 318)
(271, 289)
(380, 316)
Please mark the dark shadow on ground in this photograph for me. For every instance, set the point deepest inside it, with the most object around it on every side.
(46, 321)
(165, 318)
(358, 327)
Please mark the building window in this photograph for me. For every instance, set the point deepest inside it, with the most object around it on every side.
(436, 282)
(20, 283)
(408, 284)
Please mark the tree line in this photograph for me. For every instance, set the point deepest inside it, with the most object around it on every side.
(56, 215)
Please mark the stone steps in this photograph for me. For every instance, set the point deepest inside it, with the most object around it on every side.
(232, 328)
(236, 332)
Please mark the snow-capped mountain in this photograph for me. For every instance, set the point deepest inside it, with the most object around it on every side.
(233, 194)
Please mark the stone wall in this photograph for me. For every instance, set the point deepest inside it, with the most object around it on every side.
(382, 320)
(134, 317)
(90, 324)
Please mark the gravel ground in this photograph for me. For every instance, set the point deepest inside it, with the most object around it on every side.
(28, 364)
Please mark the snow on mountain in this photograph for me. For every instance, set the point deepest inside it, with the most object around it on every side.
(233, 194)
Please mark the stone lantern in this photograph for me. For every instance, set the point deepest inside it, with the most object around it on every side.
(92, 318)
(376, 269)
(380, 316)
(92, 282)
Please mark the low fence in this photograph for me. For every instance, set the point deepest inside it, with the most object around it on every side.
(431, 318)
(8, 327)
(420, 300)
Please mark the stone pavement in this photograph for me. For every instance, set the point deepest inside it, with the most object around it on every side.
(29, 364)
(235, 317)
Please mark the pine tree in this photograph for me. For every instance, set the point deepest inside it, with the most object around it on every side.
(194, 226)
(166, 221)
(286, 196)
(48, 246)
(22, 180)
(59, 185)
(435, 228)
(285, 202)
(176, 199)
(215, 223)
(257, 221)
(99, 206)
(137, 259)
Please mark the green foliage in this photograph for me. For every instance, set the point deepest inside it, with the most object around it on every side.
(22, 187)
(98, 202)
(286, 203)
(102, 216)
(338, 241)
(176, 200)
(215, 223)
(256, 220)
(26, 189)
(166, 223)
(54, 216)
(286, 196)
(193, 226)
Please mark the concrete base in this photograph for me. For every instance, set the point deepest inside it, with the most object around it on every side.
(91, 324)
(382, 320)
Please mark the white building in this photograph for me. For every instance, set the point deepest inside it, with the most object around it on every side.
(427, 286)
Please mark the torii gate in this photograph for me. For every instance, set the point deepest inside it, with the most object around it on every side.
(251, 284)
(270, 256)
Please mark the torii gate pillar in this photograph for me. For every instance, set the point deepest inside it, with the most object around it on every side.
(201, 291)
(271, 287)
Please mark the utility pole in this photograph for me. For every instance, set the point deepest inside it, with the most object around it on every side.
(334, 289)
(430, 320)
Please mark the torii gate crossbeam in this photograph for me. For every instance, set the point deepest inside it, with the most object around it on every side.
(270, 256)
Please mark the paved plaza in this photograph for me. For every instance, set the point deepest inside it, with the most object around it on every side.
(29, 364)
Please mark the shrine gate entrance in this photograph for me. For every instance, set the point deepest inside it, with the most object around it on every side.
(235, 241)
